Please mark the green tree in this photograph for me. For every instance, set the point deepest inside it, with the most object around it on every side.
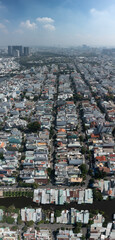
(14, 228)
(91, 215)
(11, 209)
(19, 221)
(42, 221)
(49, 171)
(33, 126)
(62, 228)
(90, 222)
(83, 169)
(51, 132)
(3, 208)
(83, 150)
(81, 138)
(100, 174)
(29, 223)
(97, 196)
(9, 220)
(77, 228)
(35, 185)
(24, 228)
(37, 228)
(94, 211)
(36, 97)
(57, 213)
(1, 156)
(46, 221)
(83, 238)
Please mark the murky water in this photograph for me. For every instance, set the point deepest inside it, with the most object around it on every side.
(106, 206)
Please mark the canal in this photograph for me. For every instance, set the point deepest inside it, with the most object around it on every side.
(106, 206)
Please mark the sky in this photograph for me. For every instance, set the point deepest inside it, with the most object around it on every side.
(60, 23)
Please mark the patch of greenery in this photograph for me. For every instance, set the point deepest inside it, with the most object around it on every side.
(97, 196)
(57, 213)
(33, 126)
(77, 228)
(83, 169)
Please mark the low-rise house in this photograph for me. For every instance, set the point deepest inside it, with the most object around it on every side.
(61, 196)
(68, 235)
(29, 214)
(6, 233)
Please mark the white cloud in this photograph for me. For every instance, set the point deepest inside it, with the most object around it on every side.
(102, 21)
(97, 13)
(27, 24)
(3, 28)
(93, 10)
(47, 23)
(45, 20)
(49, 27)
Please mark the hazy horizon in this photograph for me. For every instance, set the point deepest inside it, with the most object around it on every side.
(62, 23)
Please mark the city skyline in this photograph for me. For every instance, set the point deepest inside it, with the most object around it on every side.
(57, 23)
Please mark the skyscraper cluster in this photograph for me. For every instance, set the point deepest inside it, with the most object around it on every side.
(17, 51)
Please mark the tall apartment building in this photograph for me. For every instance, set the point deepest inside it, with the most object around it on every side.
(26, 51)
(10, 50)
(13, 50)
